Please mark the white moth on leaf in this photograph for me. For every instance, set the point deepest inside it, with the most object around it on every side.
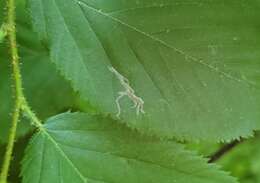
(129, 91)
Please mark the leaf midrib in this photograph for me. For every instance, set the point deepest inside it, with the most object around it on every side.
(177, 50)
(58, 143)
(43, 130)
(63, 154)
(133, 159)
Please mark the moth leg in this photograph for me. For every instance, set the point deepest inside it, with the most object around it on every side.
(142, 108)
(121, 95)
(135, 104)
(137, 109)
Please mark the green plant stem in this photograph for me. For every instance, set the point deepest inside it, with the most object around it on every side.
(10, 145)
(11, 32)
(20, 101)
(31, 115)
(224, 150)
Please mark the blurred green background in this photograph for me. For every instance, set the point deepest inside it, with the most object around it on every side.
(242, 161)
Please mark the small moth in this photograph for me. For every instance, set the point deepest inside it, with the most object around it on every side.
(129, 91)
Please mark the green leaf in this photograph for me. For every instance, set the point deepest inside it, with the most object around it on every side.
(194, 67)
(76, 147)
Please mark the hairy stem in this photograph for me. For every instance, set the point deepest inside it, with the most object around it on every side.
(11, 32)
(31, 115)
(20, 101)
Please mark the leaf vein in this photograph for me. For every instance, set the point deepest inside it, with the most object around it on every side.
(135, 159)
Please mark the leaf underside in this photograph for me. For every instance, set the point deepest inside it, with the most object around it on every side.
(76, 147)
(194, 68)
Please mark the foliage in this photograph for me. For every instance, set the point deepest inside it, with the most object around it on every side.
(69, 142)
(179, 84)
(193, 71)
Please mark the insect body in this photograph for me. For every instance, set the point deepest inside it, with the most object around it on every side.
(129, 91)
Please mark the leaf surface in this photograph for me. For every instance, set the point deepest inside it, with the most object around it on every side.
(78, 148)
(195, 70)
